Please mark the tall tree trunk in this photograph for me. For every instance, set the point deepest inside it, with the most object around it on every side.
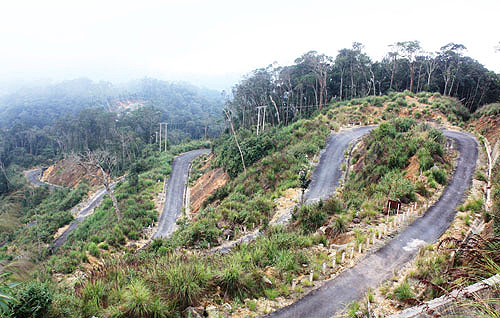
(412, 74)
(276, 108)
(341, 83)
(393, 70)
(236, 139)
(5, 174)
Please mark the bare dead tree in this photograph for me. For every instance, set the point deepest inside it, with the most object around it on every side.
(236, 139)
(276, 108)
(2, 168)
(100, 164)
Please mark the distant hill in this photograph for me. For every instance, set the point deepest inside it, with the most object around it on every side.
(39, 107)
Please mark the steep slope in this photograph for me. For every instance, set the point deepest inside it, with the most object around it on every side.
(334, 295)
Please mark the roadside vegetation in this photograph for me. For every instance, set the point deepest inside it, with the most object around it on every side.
(102, 273)
(381, 167)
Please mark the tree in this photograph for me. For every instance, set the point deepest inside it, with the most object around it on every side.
(393, 56)
(430, 63)
(226, 112)
(449, 58)
(319, 64)
(304, 182)
(100, 164)
(409, 50)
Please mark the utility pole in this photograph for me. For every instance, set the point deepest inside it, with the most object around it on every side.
(156, 139)
(166, 135)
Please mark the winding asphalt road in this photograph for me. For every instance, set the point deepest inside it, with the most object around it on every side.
(324, 180)
(174, 199)
(34, 176)
(82, 214)
(354, 282)
(326, 176)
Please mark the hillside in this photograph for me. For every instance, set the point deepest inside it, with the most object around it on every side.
(407, 158)
(41, 126)
(39, 107)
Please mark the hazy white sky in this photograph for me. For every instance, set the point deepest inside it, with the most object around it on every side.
(213, 43)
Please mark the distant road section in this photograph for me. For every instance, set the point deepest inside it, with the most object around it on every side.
(92, 203)
(34, 176)
(354, 282)
(174, 199)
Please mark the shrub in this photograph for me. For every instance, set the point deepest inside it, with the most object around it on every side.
(404, 292)
(33, 301)
(474, 205)
(311, 217)
(439, 175)
(93, 249)
(424, 158)
(480, 176)
(184, 283)
(139, 302)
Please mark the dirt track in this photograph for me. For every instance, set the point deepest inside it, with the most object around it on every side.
(353, 283)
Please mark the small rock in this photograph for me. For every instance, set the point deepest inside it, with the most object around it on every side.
(267, 280)
(227, 306)
(193, 312)
(356, 220)
(212, 311)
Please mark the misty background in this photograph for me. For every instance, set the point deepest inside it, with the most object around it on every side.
(213, 43)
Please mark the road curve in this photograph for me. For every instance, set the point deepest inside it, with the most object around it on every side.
(34, 176)
(174, 199)
(327, 174)
(324, 180)
(353, 283)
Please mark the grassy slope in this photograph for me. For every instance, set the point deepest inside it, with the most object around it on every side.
(246, 202)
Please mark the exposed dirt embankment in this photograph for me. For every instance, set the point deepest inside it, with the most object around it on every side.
(67, 174)
(205, 186)
(489, 127)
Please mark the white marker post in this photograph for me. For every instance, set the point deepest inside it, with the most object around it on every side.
(334, 259)
(352, 251)
(294, 282)
(311, 274)
(343, 257)
(359, 248)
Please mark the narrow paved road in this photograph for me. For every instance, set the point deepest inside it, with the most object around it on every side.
(93, 202)
(353, 283)
(174, 199)
(327, 174)
(324, 180)
(34, 176)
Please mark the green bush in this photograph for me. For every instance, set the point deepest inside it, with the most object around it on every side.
(93, 249)
(310, 217)
(480, 176)
(439, 175)
(404, 292)
(33, 301)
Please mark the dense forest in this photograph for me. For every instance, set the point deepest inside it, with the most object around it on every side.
(40, 125)
(315, 80)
